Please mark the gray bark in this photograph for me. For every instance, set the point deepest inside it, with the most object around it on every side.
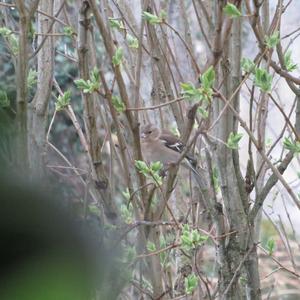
(39, 106)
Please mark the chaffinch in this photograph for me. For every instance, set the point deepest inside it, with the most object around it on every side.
(163, 146)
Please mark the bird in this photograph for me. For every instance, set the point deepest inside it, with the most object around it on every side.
(162, 145)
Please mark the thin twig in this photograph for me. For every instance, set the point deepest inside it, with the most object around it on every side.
(279, 263)
(156, 106)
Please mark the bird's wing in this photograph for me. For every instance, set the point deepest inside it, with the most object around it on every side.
(173, 143)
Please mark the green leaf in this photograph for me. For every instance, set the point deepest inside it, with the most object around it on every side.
(288, 63)
(95, 75)
(248, 65)
(132, 41)
(118, 104)
(208, 78)
(205, 92)
(152, 172)
(126, 194)
(190, 91)
(94, 209)
(216, 179)
(197, 238)
(156, 166)
(190, 239)
(272, 40)
(163, 15)
(69, 31)
(32, 78)
(233, 140)
(4, 101)
(206, 95)
(292, 146)
(11, 38)
(190, 283)
(152, 19)
(116, 24)
(268, 142)
(127, 213)
(186, 242)
(164, 258)
(141, 166)
(203, 113)
(243, 280)
(5, 31)
(81, 84)
(31, 31)
(129, 255)
(231, 10)
(263, 80)
(91, 85)
(162, 242)
(118, 57)
(63, 101)
(14, 44)
(156, 177)
(151, 246)
(270, 246)
(185, 228)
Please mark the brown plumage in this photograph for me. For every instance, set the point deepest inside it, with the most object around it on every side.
(162, 145)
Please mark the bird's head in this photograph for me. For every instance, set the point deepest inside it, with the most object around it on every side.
(149, 132)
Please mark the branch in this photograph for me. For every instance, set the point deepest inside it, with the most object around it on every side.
(276, 171)
(156, 106)
(49, 30)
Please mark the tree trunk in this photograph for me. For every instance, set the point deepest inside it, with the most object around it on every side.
(39, 106)
(22, 90)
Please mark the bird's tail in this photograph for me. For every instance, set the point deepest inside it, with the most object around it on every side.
(191, 165)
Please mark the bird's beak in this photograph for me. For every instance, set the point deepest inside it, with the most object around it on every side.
(143, 135)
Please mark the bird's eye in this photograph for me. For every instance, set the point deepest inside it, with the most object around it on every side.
(150, 131)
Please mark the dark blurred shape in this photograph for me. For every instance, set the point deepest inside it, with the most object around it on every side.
(45, 252)
(48, 251)
(7, 141)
